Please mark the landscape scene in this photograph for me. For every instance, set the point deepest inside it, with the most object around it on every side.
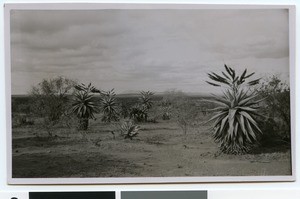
(150, 93)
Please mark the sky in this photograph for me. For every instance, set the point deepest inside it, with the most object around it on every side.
(156, 50)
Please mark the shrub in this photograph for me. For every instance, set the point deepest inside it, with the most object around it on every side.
(138, 113)
(125, 110)
(50, 101)
(235, 127)
(50, 97)
(186, 114)
(166, 113)
(276, 107)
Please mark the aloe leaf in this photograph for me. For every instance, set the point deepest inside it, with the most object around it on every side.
(236, 129)
(213, 84)
(220, 108)
(249, 75)
(244, 108)
(218, 115)
(231, 116)
(244, 101)
(250, 130)
(223, 123)
(249, 117)
(227, 69)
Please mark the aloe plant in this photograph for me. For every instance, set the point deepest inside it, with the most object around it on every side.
(235, 127)
(109, 106)
(84, 105)
(129, 129)
(146, 102)
(146, 99)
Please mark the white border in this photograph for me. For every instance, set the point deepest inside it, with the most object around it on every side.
(143, 180)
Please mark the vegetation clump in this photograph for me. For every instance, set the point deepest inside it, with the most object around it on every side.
(139, 112)
(50, 97)
(276, 123)
(51, 102)
(235, 126)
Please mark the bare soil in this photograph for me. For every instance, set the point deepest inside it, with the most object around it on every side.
(160, 150)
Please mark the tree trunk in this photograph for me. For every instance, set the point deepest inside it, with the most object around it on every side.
(83, 124)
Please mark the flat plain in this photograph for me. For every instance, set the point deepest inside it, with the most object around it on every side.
(161, 149)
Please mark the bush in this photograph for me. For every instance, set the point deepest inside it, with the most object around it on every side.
(166, 113)
(186, 114)
(276, 107)
(50, 101)
(138, 113)
(51, 97)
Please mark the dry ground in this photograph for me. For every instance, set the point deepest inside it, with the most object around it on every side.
(161, 149)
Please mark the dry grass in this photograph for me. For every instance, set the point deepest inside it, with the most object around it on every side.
(160, 149)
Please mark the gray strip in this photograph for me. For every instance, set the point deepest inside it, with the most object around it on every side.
(164, 195)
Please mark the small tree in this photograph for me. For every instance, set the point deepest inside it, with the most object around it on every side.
(84, 105)
(50, 97)
(50, 101)
(235, 126)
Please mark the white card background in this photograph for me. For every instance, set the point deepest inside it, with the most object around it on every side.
(273, 190)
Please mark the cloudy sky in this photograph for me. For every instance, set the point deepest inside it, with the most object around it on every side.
(157, 50)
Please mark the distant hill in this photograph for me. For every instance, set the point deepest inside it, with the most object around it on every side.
(132, 94)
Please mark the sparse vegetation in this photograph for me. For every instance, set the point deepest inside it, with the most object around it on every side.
(186, 114)
(163, 130)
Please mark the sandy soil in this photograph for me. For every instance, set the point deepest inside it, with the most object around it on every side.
(160, 149)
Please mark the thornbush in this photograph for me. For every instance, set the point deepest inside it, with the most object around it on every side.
(276, 108)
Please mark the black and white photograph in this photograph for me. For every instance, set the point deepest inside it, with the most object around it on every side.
(179, 93)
